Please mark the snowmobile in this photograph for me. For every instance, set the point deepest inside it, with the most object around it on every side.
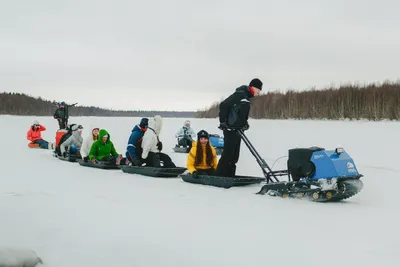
(313, 173)
(215, 140)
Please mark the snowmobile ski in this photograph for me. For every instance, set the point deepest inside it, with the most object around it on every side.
(321, 190)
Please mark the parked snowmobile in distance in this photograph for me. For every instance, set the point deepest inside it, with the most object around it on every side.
(215, 140)
(313, 173)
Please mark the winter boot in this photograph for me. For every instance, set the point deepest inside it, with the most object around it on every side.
(50, 145)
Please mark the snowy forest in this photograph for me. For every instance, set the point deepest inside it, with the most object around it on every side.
(372, 102)
(22, 104)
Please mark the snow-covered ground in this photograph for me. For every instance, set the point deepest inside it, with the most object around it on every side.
(78, 216)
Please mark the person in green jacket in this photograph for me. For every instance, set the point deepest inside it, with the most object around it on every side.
(103, 150)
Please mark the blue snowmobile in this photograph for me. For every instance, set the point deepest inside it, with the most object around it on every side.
(313, 173)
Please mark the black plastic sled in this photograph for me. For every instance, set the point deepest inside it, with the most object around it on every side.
(179, 149)
(69, 158)
(153, 171)
(99, 165)
(224, 182)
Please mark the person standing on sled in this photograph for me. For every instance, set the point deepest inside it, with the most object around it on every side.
(152, 146)
(202, 158)
(61, 115)
(73, 143)
(134, 149)
(87, 143)
(34, 135)
(186, 135)
(104, 150)
(233, 115)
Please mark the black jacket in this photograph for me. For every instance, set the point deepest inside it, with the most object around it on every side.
(234, 110)
(61, 113)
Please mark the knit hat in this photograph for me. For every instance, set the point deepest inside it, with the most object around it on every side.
(75, 127)
(35, 122)
(144, 122)
(256, 83)
(106, 135)
(201, 134)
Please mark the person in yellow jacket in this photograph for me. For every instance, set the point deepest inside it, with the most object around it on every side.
(202, 158)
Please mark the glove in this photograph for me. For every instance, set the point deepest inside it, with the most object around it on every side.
(159, 146)
(223, 126)
(246, 126)
(137, 162)
(195, 175)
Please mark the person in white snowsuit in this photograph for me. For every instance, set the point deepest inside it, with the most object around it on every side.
(186, 135)
(74, 142)
(152, 146)
(87, 143)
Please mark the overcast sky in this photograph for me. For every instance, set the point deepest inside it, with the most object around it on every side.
(129, 54)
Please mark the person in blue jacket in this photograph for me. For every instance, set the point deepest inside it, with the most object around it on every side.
(134, 148)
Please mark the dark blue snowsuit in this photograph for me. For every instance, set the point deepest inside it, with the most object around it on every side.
(134, 148)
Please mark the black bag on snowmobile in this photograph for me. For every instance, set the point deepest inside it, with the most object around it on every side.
(300, 164)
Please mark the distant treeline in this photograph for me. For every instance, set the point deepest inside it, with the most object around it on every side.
(372, 102)
(24, 105)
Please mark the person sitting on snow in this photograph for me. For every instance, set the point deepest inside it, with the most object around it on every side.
(186, 135)
(202, 158)
(152, 146)
(73, 143)
(104, 150)
(87, 143)
(35, 136)
(134, 149)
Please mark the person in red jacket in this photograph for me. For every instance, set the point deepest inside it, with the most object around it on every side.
(35, 136)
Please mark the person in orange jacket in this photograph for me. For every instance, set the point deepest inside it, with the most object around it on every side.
(35, 136)
(202, 158)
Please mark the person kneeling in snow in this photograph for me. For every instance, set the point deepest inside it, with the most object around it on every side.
(88, 142)
(202, 158)
(134, 149)
(73, 143)
(35, 135)
(152, 146)
(104, 150)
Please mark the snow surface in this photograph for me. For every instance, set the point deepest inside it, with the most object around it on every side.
(78, 216)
